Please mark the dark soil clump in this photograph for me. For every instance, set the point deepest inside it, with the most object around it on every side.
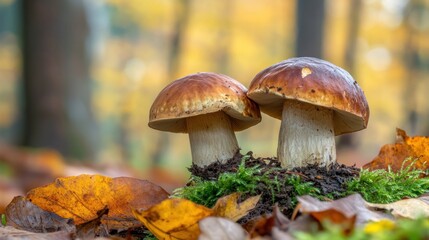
(329, 180)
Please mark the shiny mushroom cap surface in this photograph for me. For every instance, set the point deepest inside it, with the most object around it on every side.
(313, 81)
(202, 93)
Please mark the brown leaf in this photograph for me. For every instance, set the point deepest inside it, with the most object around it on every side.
(262, 226)
(81, 197)
(408, 208)
(394, 155)
(174, 219)
(336, 217)
(24, 215)
(228, 207)
(13, 233)
(213, 228)
(348, 206)
(93, 228)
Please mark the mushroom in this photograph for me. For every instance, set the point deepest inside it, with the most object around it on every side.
(315, 101)
(209, 107)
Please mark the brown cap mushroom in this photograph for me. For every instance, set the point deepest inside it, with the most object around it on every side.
(209, 107)
(316, 101)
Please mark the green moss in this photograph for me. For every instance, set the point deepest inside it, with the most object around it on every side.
(381, 186)
(206, 193)
(245, 181)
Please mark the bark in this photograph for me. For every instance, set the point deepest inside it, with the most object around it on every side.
(182, 17)
(57, 92)
(355, 11)
(310, 28)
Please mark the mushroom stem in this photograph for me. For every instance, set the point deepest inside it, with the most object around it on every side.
(212, 138)
(306, 135)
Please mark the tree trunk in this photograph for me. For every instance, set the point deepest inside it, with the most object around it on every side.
(310, 28)
(182, 17)
(355, 10)
(57, 92)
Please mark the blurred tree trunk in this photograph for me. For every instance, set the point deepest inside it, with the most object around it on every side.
(355, 10)
(57, 92)
(413, 20)
(180, 25)
(224, 37)
(310, 24)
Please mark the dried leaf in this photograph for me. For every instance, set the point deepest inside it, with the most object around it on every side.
(336, 217)
(348, 206)
(93, 228)
(13, 233)
(24, 215)
(408, 208)
(214, 228)
(174, 219)
(277, 234)
(81, 197)
(228, 207)
(263, 225)
(394, 155)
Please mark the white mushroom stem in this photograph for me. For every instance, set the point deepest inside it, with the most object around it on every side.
(212, 138)
(306, 135)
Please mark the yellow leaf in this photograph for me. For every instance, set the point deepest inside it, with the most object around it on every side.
(174, 219)
(228, 207)
(81, 197)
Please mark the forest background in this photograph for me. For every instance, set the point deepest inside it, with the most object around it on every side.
(80, 76)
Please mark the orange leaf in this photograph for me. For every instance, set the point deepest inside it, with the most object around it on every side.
(228, 207)
(81, 197)
(174, 219)
(394, 155)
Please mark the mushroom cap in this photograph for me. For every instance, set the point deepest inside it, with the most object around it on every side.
(202, 93)
(313, 81)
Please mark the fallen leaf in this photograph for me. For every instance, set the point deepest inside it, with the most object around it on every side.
(394, 155)
(174, 218)
(336, 217)
(93, 228)
(348, 206)
(228, 207)
(24, 215)
(214, 228)
(81, 197)
(277, 234)
(13, 233)
(408, 208)
(263, 225)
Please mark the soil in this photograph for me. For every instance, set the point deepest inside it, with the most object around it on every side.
(329, 180)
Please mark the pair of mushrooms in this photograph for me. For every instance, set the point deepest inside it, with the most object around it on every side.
(314, 99)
